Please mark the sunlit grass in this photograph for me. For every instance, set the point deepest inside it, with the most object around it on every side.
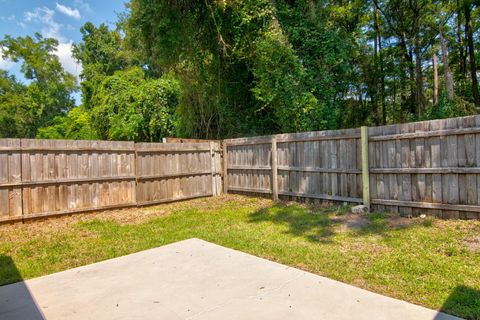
(424, 261)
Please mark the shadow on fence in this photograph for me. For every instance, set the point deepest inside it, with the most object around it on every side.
(16, 300)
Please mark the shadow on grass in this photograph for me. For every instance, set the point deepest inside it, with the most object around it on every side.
(16, 301)
(320, 224)
(463, 301)
(315, 225)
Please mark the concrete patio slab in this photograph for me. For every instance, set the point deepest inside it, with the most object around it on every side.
(194, 279)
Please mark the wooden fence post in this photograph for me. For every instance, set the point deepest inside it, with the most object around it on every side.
(225, 164)
(212, 168)
(135, 172)
(21, 181)
(274, 170)
(365, 169)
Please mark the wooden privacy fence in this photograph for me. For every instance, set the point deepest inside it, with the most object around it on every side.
(425, 167)
(320, 165)
(51, 177)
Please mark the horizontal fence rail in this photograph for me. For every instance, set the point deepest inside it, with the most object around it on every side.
(322, 165)
(41, 178)
(428, 167)
(177, 171)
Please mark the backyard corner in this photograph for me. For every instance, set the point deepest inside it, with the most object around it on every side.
(249, 159)
(425, 261)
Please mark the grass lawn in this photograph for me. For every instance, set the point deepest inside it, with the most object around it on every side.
(434, 263)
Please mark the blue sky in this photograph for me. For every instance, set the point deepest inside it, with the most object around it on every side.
(60, 19)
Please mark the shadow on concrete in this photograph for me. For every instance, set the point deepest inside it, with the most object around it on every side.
(463, 301)
(16, 301)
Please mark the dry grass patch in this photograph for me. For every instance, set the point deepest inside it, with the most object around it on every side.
(473, 243)
(430, 262)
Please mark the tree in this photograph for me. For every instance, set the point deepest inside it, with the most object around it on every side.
(75, 125)
(13, 100)
(446, 67)
(214, 69)
(467, 9)
(379, 56)
(129, 106)
(271, 63)
(435, 78)
(48, 93)
(101, 53)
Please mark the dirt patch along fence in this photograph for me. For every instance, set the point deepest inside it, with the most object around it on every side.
(50, 177)
(428, 167)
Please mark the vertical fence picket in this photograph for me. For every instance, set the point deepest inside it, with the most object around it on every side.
(424, 167)
(427, 167)
(225, 167)
(274, 170)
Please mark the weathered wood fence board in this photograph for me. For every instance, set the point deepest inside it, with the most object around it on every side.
(424, 167)
(309, 165)
(169, 172)
(427, 167)
(249, 168)
(61, 177)
(51, 177)
(10, 179)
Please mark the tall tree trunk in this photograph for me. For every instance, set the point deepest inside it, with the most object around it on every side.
(435, 78)
(411, 75)
(461, 46)
(375, 64)
(471, 52)
(447, 73)
(419, 76)
(403, 75)
(380, 60)
(382, 81)
(406, 74)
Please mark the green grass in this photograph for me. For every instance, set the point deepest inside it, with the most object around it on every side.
(424, 261)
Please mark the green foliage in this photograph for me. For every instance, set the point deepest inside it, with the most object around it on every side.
(448, 109)
(279, 86)
(76, 125)
(122, 101)
(101, 54)
(216, 69)
(428, 222)
(325, 54)
(130, 107)
(26, 108)
(233, 60)
(13, 106)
